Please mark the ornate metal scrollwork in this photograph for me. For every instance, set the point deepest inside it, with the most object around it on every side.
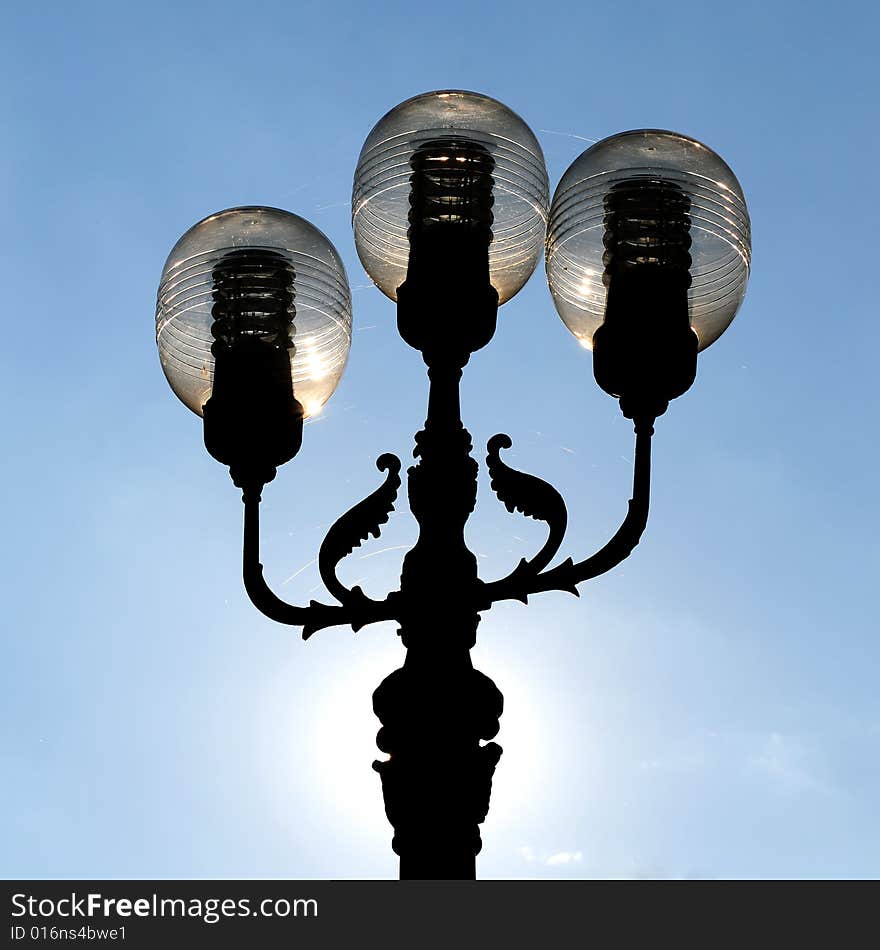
(567, 575)
(316, 616)
(355, 526)
(534, 498)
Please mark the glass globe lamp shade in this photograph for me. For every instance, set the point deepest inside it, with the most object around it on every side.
(276, 278)
(465, 124)
(670, 196)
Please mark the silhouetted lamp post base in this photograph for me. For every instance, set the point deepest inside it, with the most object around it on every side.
(647, 258)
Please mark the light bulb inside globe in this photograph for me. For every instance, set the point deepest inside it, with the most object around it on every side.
(253, 325)
(648, 256)
(475, 161)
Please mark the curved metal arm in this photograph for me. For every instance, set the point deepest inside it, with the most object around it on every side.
(568, 575)
(355, 526)
(359, 612)
(536, 499)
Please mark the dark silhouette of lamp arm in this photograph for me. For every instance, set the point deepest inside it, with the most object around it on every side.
(356, 611)
(530, 577)
(647, 256)
(645, 354)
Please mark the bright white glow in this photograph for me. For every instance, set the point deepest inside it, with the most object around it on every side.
(313, 407)
(314, 363)
(522, 769)
(587, 285)
(343, 729)
(319, 741)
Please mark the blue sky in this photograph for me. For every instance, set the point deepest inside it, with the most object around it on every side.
(710, 709)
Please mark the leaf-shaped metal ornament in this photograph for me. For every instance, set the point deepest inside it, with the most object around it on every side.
(532, 496)
(355, 526)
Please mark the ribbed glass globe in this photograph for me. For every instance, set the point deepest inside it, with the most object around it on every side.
(380, 198)
(245, 255)
(639, 177)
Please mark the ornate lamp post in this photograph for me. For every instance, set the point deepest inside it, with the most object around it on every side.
(647, 258)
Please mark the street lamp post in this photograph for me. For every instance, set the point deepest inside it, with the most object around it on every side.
(647, 257)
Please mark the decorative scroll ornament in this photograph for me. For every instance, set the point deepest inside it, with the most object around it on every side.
(355, 526)
(534, 498)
